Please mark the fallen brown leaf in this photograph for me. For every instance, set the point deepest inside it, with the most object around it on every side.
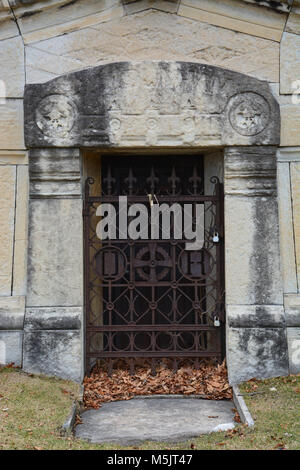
(280, 446)
(209, 380)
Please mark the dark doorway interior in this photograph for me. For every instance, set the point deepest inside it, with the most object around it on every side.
(149, 298)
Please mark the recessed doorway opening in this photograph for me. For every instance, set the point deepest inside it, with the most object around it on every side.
(154, 298)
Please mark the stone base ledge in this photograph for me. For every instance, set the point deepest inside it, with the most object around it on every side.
(255, 316)
(292, 309)
(12, 311)
(53, 342)
(11, 347)
(256, 352)
(53, 318)
(53, 352)
(293, 338)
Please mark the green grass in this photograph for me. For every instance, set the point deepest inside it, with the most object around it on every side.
(32, 409)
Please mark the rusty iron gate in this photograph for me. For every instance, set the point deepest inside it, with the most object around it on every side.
(150, 298)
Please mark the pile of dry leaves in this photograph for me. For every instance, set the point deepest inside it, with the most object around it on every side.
(209, 381)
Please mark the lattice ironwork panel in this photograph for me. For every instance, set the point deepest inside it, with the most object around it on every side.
(153, 298)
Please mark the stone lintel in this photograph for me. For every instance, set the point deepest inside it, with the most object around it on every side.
(151, 104)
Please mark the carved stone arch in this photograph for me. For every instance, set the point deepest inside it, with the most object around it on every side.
(153, 105)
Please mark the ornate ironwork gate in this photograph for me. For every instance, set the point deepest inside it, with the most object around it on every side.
(150, 298)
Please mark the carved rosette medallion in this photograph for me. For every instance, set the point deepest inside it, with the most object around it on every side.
(56, 115)
(249, 113)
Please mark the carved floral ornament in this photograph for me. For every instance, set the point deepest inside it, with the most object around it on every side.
(56, 115)
(249, 114)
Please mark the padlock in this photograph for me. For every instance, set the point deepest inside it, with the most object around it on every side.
(216, 237)
(216, 321)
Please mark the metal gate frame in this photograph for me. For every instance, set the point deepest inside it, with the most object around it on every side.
(103, 335)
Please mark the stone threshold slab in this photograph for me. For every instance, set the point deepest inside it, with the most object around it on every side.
(166, 419)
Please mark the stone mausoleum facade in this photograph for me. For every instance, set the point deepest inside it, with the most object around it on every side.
(89, 81)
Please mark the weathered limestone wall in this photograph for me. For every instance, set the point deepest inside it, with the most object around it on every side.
(46, 39)
(13, 252)
(289, 211)
(151, 35)
(288, 180)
